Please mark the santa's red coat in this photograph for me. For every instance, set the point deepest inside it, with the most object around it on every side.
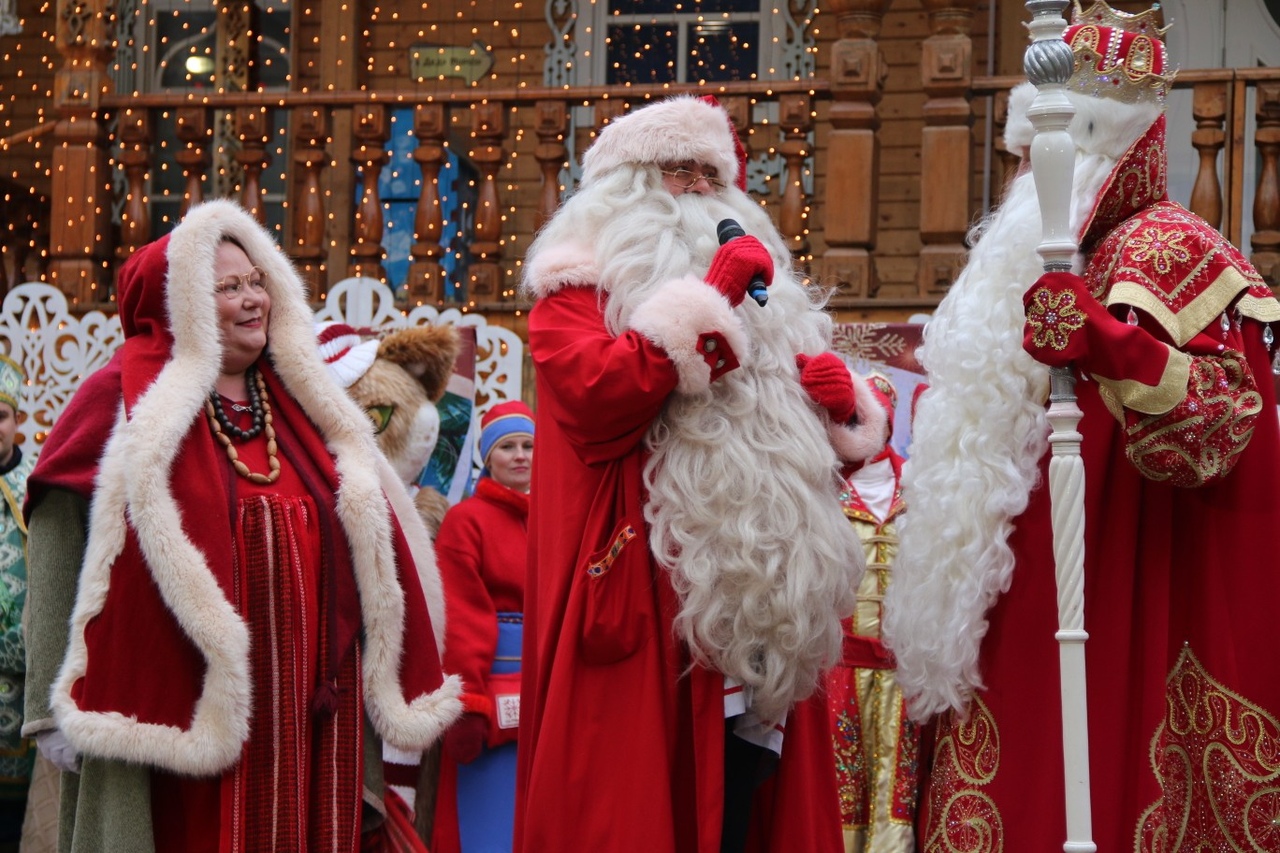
(621, 742)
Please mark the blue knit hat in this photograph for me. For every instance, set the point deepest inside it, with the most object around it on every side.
(504, 419)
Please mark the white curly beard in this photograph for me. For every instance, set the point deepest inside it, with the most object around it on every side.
(742, 509)
(977, 438)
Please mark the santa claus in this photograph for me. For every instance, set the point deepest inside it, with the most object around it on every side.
(689, 561)
(1168, 328)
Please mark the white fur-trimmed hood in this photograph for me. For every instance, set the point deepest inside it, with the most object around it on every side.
(133, 482)
(1100, 126)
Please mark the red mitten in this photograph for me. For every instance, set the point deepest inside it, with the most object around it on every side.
(736, 263)
(464, 738)
(1067, 325)
(828, 382)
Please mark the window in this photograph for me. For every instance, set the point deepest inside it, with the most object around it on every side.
(178, 47)
(679, 41)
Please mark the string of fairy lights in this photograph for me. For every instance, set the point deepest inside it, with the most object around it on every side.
(417, 53)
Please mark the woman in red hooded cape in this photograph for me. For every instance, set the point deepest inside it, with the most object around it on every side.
(240, 569)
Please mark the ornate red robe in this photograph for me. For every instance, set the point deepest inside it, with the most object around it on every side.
(1180, 578)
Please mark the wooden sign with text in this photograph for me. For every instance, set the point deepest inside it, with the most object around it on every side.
(435, 62)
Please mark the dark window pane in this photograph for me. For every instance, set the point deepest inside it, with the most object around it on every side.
(272, 66)
(187, 43)
(671, 7)
(642, 53)
(723, 51)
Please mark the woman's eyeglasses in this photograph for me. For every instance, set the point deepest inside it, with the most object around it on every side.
(234, 285)
(685, 179)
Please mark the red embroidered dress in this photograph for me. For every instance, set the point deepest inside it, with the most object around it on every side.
(297, 785)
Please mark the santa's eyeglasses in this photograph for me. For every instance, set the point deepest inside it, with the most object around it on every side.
(686, 179)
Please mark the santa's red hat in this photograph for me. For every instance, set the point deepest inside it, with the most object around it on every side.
(674, 130)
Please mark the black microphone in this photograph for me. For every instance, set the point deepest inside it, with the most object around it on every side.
(727, 230)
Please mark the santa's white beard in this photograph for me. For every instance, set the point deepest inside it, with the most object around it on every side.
(743, 509)
(978, 435)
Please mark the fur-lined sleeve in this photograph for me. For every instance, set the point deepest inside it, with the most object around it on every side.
(696, 327)
(867, 432)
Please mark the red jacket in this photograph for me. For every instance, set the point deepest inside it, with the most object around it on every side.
(481, 551)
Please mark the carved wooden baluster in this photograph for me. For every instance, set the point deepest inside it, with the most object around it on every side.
(309, 221)
(1266, 202)
(1209, 108)
(796, 120)
(489, 127)
(604, 112)
(858, 71)
(254, 131)
(426, 276)
(372, 131)
(946, 150)
(135, 219)
(1007, 162)
(80, 180)
(552, 125)
(193, 156)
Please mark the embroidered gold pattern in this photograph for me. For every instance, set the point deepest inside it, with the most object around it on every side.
(1202, 437)
(599, 567)
(1163, 248)
(962, 818)
(1189, 291)
(1053, 318)
(1217, 758)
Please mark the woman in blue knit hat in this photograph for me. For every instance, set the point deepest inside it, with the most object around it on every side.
(481, 550)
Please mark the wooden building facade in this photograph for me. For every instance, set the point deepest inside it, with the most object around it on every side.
(422, 142)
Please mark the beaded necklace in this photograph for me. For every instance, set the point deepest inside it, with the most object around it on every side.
(223, 429)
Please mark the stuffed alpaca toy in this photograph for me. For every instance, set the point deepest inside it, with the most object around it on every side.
(398, 380)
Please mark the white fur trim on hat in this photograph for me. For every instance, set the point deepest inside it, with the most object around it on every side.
(669, 131)
(347, 356)
(1100, 125)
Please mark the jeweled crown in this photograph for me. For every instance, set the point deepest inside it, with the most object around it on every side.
(1119, 55)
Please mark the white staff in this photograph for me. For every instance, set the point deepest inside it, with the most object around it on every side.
(1049, 63)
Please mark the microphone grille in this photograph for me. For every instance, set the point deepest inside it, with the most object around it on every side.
(727, 230)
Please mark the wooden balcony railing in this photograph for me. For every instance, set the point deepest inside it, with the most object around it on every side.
(496, 133)
(519, 141)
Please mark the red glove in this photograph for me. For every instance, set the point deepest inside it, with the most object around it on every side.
(464, 738)
(1067, 325)
(828, 382)
(736, 264)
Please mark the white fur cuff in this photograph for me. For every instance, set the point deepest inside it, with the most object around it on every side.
(867, 437)
(695, 325)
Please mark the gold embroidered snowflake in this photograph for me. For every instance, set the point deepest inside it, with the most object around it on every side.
(1053, 317)
(1162, 248)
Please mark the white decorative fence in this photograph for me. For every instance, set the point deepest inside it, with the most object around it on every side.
(58, 350)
